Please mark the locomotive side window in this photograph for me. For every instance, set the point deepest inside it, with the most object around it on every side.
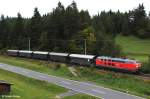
(118, 61)
(109, 62)
(106, 62)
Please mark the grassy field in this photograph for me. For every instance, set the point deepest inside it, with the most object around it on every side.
(28, 88)
(123, 82)
(134, 47)
(131, 44)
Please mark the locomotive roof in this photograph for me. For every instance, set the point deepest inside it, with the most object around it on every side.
(117, 59)
(120, 59)
(25, 51)
(40, 52)
(58, 54)
(82, 56)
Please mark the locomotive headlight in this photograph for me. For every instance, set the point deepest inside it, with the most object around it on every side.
(137, 66)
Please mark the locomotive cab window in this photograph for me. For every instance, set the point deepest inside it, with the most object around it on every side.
(109, 60)
(132, 62)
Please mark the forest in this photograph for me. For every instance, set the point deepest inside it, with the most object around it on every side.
(68, 29)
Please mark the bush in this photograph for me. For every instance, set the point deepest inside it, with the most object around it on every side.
(58, 66)
(146, 67)
(2, 51)
(141, 33)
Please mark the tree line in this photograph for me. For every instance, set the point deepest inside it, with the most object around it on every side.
(68, 29)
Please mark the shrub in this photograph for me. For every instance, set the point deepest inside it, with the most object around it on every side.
(146, 67)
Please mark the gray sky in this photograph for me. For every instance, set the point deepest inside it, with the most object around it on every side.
(25, 7)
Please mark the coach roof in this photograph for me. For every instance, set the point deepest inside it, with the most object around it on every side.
(82, 56)
(58, 54)
(12, 50)
(40, 52)
(25, 51)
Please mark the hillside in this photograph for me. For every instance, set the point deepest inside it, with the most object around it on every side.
(132, 44)
(134, 47)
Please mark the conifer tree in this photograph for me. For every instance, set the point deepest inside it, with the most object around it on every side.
(35, 29)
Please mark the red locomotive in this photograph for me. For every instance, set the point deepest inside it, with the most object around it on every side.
(118, 63)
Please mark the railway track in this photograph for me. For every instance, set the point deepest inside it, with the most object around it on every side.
(141, 75)
(144, 76)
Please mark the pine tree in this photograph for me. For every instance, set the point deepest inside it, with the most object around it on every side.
(18, 32)
(139, 23)
(57, 22)
(125, 28)
(4, 30)
(72, 21)
(85, 19)
(35, 29)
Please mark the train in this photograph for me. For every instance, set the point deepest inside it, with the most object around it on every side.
(80, 59)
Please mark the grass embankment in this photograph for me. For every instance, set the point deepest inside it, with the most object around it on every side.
(28, 88)
(118, 81)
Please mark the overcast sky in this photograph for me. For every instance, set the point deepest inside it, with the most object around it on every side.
(25, 7)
